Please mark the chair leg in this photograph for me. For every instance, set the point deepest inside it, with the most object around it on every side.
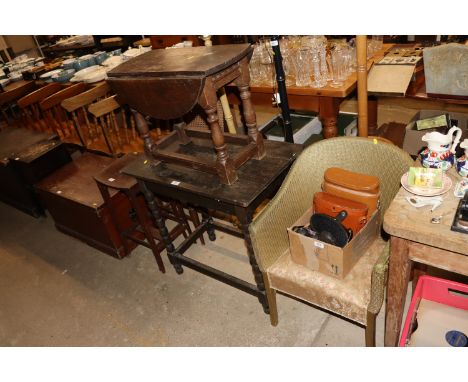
(196, 221)
(144, 222)
(271, 298)
(370, 329)
(178, 211)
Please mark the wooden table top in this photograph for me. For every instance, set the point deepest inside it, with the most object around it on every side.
(200, 61)
(254, 176)
(411, 223)
(328, 91)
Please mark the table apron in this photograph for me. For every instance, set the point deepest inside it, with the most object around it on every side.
(212, 202)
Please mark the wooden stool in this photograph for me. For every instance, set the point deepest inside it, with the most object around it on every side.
(167, 84)
(143, 230)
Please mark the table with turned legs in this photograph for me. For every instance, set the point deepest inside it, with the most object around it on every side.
(167, 84)
(258, 180)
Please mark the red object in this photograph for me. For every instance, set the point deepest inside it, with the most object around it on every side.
(437, 290)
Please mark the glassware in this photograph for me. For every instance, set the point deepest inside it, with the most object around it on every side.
(303, 69)
(323, 62)
(337, 61)
(254, 67)
(266, 60)
(320, 79)
(378, 42)
(288, 65)
(346, 61)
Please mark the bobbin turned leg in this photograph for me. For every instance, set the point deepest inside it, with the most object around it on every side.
(224, 165)
(242, 83)
(143, 130)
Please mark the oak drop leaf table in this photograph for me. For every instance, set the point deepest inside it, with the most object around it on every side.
(167, 84)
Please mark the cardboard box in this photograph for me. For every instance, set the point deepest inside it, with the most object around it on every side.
(391, 80)
(412, 142)
(326, 258)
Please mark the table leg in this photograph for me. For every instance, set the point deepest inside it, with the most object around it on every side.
(150, 200)
(224, 165)
(329, 109)
(143, 130)
(398, 278)
(242, 82)
(372, 104)
(245, 218)
(210, 229)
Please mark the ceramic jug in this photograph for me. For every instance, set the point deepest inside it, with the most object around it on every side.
(440, 151)
(462, 162)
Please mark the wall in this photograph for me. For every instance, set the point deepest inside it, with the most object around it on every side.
(22, 44)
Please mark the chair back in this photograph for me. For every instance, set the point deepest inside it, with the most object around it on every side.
(56, 116)
(117, 125)
(77, 107)
(16, 93)
(363, 155)
(31, 114)
(9, 97)
(84, 99)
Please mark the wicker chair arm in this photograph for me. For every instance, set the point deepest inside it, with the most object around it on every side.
(269, 229)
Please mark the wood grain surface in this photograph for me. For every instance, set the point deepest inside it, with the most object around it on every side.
(408, 222)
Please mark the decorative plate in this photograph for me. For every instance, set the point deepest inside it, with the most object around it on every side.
(50, 74)
(86, 72)
(446, 186)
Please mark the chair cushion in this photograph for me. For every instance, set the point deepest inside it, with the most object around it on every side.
(348, 297)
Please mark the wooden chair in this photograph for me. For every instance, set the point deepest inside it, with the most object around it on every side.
(117, 126)
(360, 294)
(31, 115)
(56, 117)
(143, 231)
(8, 101)
(77, 106)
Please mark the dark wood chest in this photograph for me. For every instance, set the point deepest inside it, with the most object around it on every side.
(26, 157)
(76, 205)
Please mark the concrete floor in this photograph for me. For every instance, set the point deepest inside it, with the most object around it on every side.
(58, 291)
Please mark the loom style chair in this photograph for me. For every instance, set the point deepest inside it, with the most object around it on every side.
(359, 295)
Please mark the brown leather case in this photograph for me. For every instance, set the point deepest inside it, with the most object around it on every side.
(325, 203)
(354, 186)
